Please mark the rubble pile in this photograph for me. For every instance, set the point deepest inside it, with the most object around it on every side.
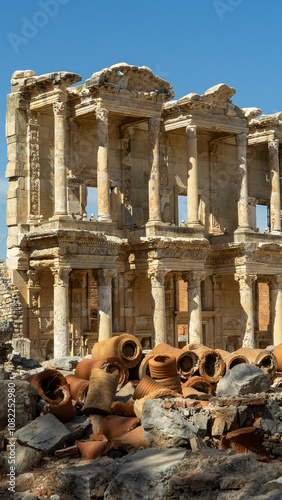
(196, 423)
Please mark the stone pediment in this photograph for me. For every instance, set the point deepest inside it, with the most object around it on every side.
(274, 120)
(135, 81)
(28, 80)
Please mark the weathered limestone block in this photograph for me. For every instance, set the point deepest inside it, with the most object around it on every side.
(45, 433)
(243, 379)
(165, 428)
(146, 471)
(26, 458)
(26, 397)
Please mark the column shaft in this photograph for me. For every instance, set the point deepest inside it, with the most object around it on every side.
(243, 218)
(158, 307)
(154, 181)
(192, 176)
(276, 306)
(61, 312)
(247, 307)
(195, 330)
(275, 202)
(104, 277)
(60, 175)
(103, 177)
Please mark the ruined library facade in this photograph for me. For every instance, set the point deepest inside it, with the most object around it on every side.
(138, 265)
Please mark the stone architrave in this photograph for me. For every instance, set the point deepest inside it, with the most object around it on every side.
(214, 174)
(61, 311)
(103, 177)
(104, 278)
(126, 177)
(276, 308)
(192, 176)
(159, 334)
(247, 307)
(60, 173)
(33, 165)
(195, 331)
(243, 212)
(275, 201)
(154, 180)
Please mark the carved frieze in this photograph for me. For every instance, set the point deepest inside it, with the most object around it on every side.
(34, 165)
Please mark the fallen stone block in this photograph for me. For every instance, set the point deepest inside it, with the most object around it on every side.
(196, 481)
(82, 481)
(45, 433)
(24, 396)
(78, 427)
(146, 471)
(26, 458)
(165, 428)
(243, 379)
(67, 363)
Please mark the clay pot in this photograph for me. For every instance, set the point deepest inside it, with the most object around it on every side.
(113, 426)
(162, 392)
(172, 383)
(186, 361)
(245, 440)
(133, 439)
(111, 365)
(91, 449)
(145, 386)
(232, 359)
(124, 346)
(144, 366)
(278, 355)
(101, 392)
(46, 383)
(211, 364)
(261, 358)
(200, 384)
(162, 366)
(123, 409)
(64, 411)
(78, 388)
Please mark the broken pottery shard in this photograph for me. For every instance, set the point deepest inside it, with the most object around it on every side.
(45, 433)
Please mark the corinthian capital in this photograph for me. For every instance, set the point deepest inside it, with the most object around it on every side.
(61, 275)
(273, 145)
(157, 277)
(193, 278)
(102, 114)
(59, 108)
(245, 280)
(191, 132)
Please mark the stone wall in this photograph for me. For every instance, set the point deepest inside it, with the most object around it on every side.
(10, 305)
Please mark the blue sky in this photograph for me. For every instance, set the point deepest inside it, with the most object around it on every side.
(194, 44)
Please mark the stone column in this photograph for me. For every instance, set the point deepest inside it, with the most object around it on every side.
(130, 279)
(61, 311)
(104, 278)
(195, 330)
(275, 202)
(217, 299)
(192, 176)
(60, 173)
(103, 177)
(33, 166)
(276, 308)
(247, 307)
(154, 181)
(243, 218)
(33, 290)
(214, 174)
(78, 311)
(126, 176)
(159, 334)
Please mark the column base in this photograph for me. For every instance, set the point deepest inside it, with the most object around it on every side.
(241, 233)
(276, 231)
(60, 216)
(104, 218)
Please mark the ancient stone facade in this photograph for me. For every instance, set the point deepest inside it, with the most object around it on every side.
(138, 267)
(10, 305)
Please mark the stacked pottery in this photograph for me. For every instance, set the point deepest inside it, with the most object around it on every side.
(186, 361)
(78, 388)
(232, 359)
(163, 370)
(112, 364)
(200, 384)
(64, 411)
(210, 363)
(145, 387)
(278, 355)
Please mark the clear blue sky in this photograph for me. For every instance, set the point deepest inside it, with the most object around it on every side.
(194, 44)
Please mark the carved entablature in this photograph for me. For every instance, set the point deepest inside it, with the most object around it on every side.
(131, 81)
